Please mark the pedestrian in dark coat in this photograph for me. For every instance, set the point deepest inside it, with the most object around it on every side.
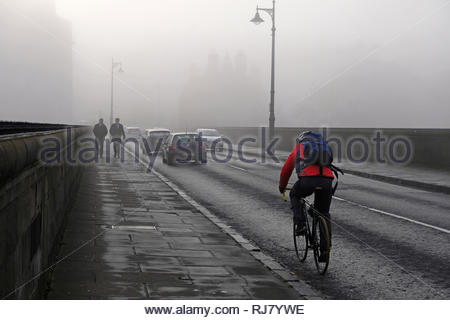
(117, 133)
(100, 132)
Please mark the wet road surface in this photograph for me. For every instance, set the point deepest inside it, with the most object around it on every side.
(389, 242)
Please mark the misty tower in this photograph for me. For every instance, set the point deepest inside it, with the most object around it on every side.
(36, 62)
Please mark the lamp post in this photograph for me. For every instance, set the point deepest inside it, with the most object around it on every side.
(114, 66)
(257, 20)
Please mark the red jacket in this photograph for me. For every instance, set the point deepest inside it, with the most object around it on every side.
(310, 171)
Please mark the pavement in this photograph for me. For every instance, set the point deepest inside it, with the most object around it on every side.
(428, 179)
(130, 235)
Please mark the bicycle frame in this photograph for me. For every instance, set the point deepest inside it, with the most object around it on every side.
(320, 222)
(306, 205)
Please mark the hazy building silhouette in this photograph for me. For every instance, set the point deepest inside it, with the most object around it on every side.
(35, 62)
(225, 94)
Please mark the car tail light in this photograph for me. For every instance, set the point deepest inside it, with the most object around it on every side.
(172, 148)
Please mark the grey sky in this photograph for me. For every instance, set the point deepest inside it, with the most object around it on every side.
(402, 84)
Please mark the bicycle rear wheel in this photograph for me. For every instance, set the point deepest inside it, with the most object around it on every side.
(301, 245)
(321, 235)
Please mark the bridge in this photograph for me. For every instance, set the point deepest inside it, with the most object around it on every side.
(112, 228)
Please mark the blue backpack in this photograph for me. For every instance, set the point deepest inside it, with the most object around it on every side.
(315, 151)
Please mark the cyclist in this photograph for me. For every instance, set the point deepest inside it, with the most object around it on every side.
(313, 178)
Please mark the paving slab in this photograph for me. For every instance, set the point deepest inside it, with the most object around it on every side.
(131, 236)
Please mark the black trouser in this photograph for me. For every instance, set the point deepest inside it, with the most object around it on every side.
(100, 142)
(116, 145)
(323, 192)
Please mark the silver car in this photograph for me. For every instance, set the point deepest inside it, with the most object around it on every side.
(211, 138)
(155, 138)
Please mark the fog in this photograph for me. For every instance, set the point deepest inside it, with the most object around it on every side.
(201, 63)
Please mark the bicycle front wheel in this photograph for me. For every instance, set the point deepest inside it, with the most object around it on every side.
(321, 246)
(301, 245)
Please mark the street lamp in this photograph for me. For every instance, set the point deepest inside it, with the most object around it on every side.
(257, 20)
(114, 66)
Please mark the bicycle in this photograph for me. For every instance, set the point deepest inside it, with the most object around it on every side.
(313, 237)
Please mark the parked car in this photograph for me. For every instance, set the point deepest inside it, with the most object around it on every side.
(154, 138)
(183, 147)
(211, 137)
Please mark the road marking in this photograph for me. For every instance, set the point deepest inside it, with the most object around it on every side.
(239, 168)
(394, 215)
(379, 211)
(129, 227)
(300, 286)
